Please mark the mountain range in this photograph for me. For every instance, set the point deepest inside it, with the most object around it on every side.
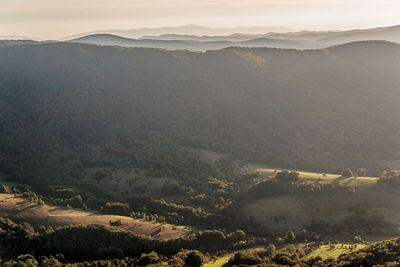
(200, 38)
(192, 45)
(297, 40)
(183, 30)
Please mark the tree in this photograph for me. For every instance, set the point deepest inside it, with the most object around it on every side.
(49, 261)
(358, 239)
(361, 172)
(238, 235)
(286, 176)
(77, 201)
(245, 258)
(115, 208)
(290, 236)
(279, 240)
(195, 259)
(146, 259)
(271, 250)
(347, 173)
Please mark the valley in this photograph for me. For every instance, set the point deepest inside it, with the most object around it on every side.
(233, 156)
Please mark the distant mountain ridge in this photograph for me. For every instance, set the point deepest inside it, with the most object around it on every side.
(19, 37)
(191, 45)
(388, 33)
(183, 30)
(294, 40)
(200, 38)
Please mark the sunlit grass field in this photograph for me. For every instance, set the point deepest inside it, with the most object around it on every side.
(323, 178)
(218, 262)
(334, 251)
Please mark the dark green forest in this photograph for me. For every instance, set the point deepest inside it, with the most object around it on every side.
(65, 107)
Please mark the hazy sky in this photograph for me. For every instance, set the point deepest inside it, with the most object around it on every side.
(59, 18)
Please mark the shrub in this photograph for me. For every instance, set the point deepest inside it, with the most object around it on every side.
(245, 258)
(195, 259)
(347, 173)
(237, 235)
(146, 259)
(116, 223)
(5, 189)
(116, 208)
(290, 236)
(286, 176)
(271, 250)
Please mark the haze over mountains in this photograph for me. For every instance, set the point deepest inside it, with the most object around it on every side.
(199, 38)
(184, 30)
(192, 45)
(296, 40)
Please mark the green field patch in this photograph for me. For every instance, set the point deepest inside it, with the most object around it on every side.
(359, 181)
(334, 251)
(218, 262)
(319, 177)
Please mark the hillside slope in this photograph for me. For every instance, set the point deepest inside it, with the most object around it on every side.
(19, 209)
(66, 107)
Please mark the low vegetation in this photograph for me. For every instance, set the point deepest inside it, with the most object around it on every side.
(385, 253)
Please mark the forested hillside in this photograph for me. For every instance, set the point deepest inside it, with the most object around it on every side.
(66, 107)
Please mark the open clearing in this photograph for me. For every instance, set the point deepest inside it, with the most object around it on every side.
(314, 177)
(334, 251)
(218, 262)
(19, 209)
(322, 178)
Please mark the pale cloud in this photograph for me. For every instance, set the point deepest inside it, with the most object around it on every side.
(57, 18)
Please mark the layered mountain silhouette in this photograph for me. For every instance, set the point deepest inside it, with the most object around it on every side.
(183, 30)
(297, 40)
(192, 45)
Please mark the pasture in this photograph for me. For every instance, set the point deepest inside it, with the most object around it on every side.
(219, 262)
(334, 251)
(314, 177)
(19, 209)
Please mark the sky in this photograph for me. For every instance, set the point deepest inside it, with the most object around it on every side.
(60, 18)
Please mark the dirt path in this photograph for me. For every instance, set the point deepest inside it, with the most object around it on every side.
(19, 209)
